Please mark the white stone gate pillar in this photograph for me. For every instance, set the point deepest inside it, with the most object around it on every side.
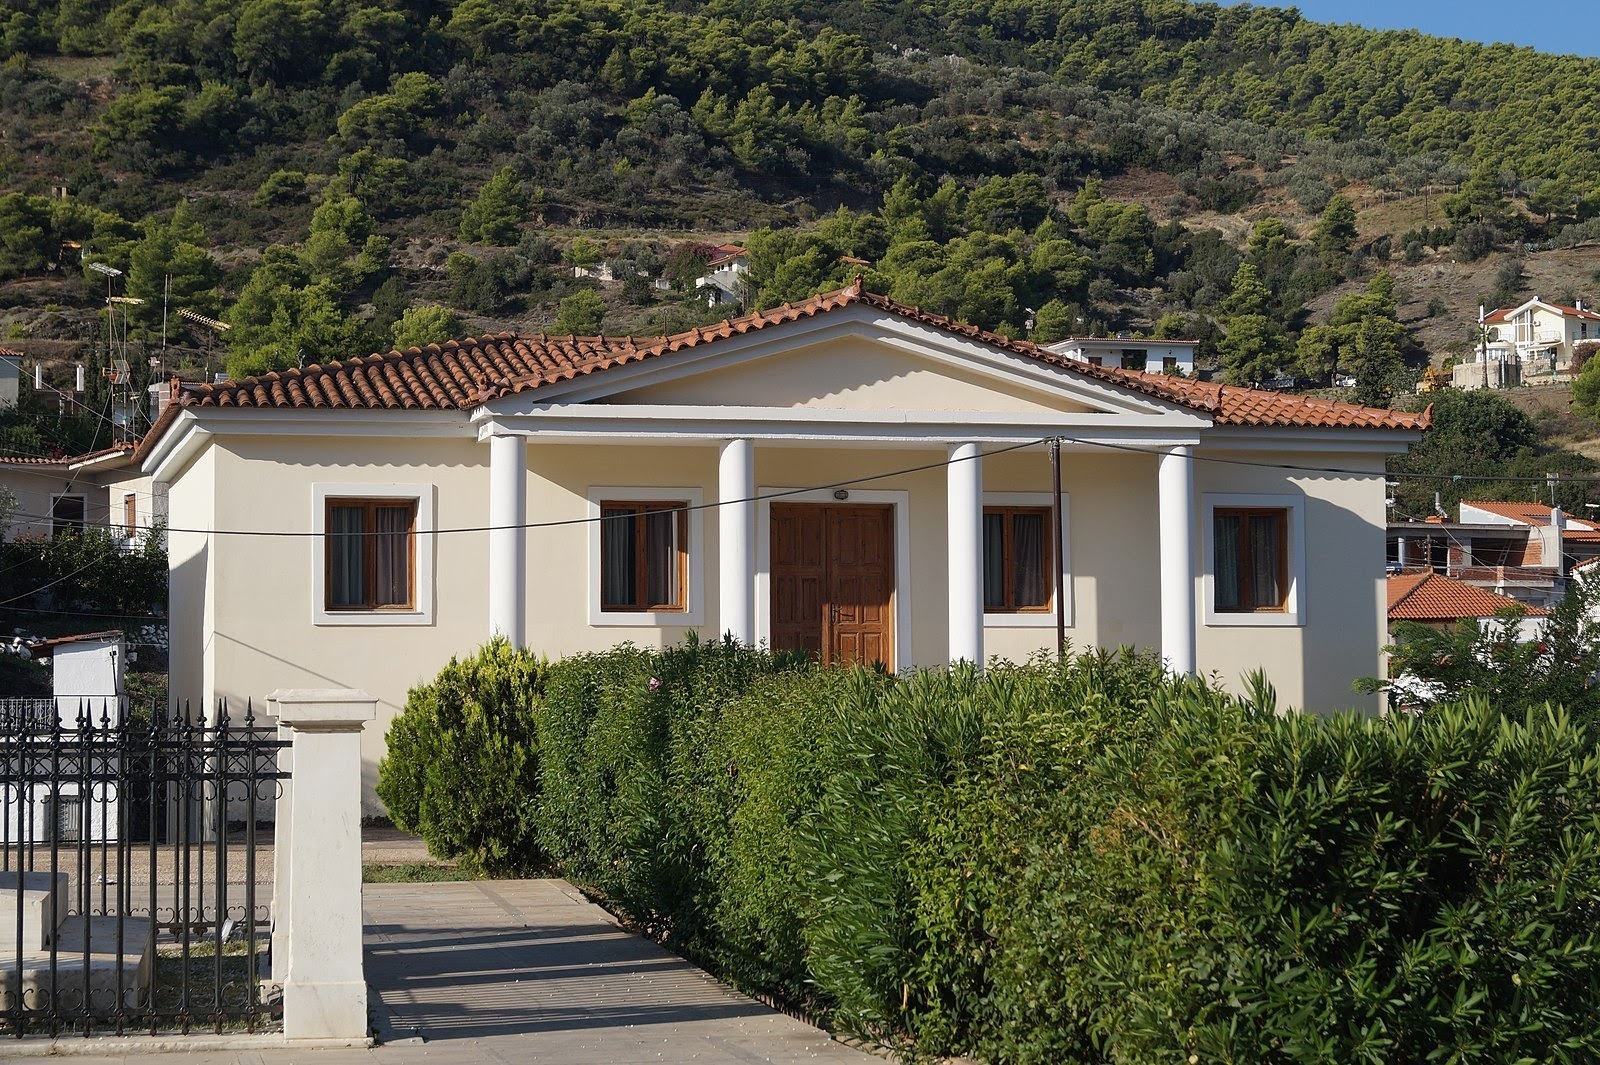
(325, 986)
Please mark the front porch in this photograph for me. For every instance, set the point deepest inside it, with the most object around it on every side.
(760, 563)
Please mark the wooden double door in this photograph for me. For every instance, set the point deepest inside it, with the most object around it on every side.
(833, 581)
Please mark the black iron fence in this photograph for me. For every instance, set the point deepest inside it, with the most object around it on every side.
(135, 868)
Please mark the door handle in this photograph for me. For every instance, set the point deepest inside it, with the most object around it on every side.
(833, 614)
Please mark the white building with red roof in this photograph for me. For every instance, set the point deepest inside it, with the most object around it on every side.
(1535, 337)
(845, 476)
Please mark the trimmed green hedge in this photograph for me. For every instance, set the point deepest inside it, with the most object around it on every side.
(1083, 861)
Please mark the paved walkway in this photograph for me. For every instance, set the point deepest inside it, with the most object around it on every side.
(528, 971)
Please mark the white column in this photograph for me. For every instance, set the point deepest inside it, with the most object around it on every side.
(736, 539)
(964, 521)
(325, 989)
(1176, 481)
(508, 511)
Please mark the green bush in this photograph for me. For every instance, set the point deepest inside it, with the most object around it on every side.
(462, 769)
(1077, 861)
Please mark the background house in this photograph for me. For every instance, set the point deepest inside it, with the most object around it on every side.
(1532, 338)
(844, 475)
(1521, 550)
(104, 489)
(1126, 353)
(723, 282)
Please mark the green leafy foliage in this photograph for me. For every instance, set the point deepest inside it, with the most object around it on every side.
(1087, 860)
(494, 217)
(1477, 436)
(86, 570)
(1511, 660)
(462, 768)
(424, 325)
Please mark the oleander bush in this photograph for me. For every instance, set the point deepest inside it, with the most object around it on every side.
(1086, 860)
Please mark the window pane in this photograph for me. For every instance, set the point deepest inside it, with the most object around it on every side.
(391, 546)
(617, 574)
(345, 560)
(1027, 542)
(1225, 533)
(661, 549)
(1265, 560)
(994, 562)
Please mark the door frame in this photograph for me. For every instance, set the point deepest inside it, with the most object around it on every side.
(900, 501)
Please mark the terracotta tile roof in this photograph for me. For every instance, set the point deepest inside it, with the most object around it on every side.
(1503, 314)
(1536, 514)
(462, 374)
(67, 460)
(7, 353)
(1427, 596)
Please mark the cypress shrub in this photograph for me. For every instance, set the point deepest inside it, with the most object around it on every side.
(462, 766)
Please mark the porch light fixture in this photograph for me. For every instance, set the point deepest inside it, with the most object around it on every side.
(840, 494)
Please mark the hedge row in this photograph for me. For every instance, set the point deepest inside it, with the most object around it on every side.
(1083, 861)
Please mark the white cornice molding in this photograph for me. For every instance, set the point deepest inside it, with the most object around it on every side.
(195, 425)
(1280, 438)
(697, 425)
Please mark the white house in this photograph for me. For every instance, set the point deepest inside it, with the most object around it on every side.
(103, 489)
(845, 475)
(723, 282)
(10, 377)
(1126, 353)
(1535, 336)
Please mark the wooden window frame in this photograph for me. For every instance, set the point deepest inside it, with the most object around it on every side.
(1244, 560)
(130, 512)
(1008, 559)
(369, 559)
(640, 509)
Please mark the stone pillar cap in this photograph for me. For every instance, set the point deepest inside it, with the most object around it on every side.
(310, 707)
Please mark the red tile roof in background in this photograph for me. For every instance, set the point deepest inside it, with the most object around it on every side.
(1502, 314)
(462, 374)
(1428, 596)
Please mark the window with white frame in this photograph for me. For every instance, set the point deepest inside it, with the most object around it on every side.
(373, 555)
(645, 556)
(1019, 564)
(1254, 559)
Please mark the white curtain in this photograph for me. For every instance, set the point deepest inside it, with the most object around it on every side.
(617, 557)
(1027, 534)
(661, 566)
(392, 556)
(346, 563)
(1225, 533)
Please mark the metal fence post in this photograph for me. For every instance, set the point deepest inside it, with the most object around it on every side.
(325, 990)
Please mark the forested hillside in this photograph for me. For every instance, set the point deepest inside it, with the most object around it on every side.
(334, 177)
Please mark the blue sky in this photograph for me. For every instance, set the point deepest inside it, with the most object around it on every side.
(1564, 27)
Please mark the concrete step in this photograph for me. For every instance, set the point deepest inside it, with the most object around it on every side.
(43, 904)
(83, 944)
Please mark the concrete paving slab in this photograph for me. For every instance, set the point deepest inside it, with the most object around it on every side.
(520, 971)
(516, 972)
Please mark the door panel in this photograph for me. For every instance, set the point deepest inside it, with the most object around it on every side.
(833, 581)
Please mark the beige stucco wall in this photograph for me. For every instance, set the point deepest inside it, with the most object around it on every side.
(1311, 665)
(243, 613)
(853, 373)
(35, 489)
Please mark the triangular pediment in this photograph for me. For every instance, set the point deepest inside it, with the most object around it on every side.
(859, 373)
